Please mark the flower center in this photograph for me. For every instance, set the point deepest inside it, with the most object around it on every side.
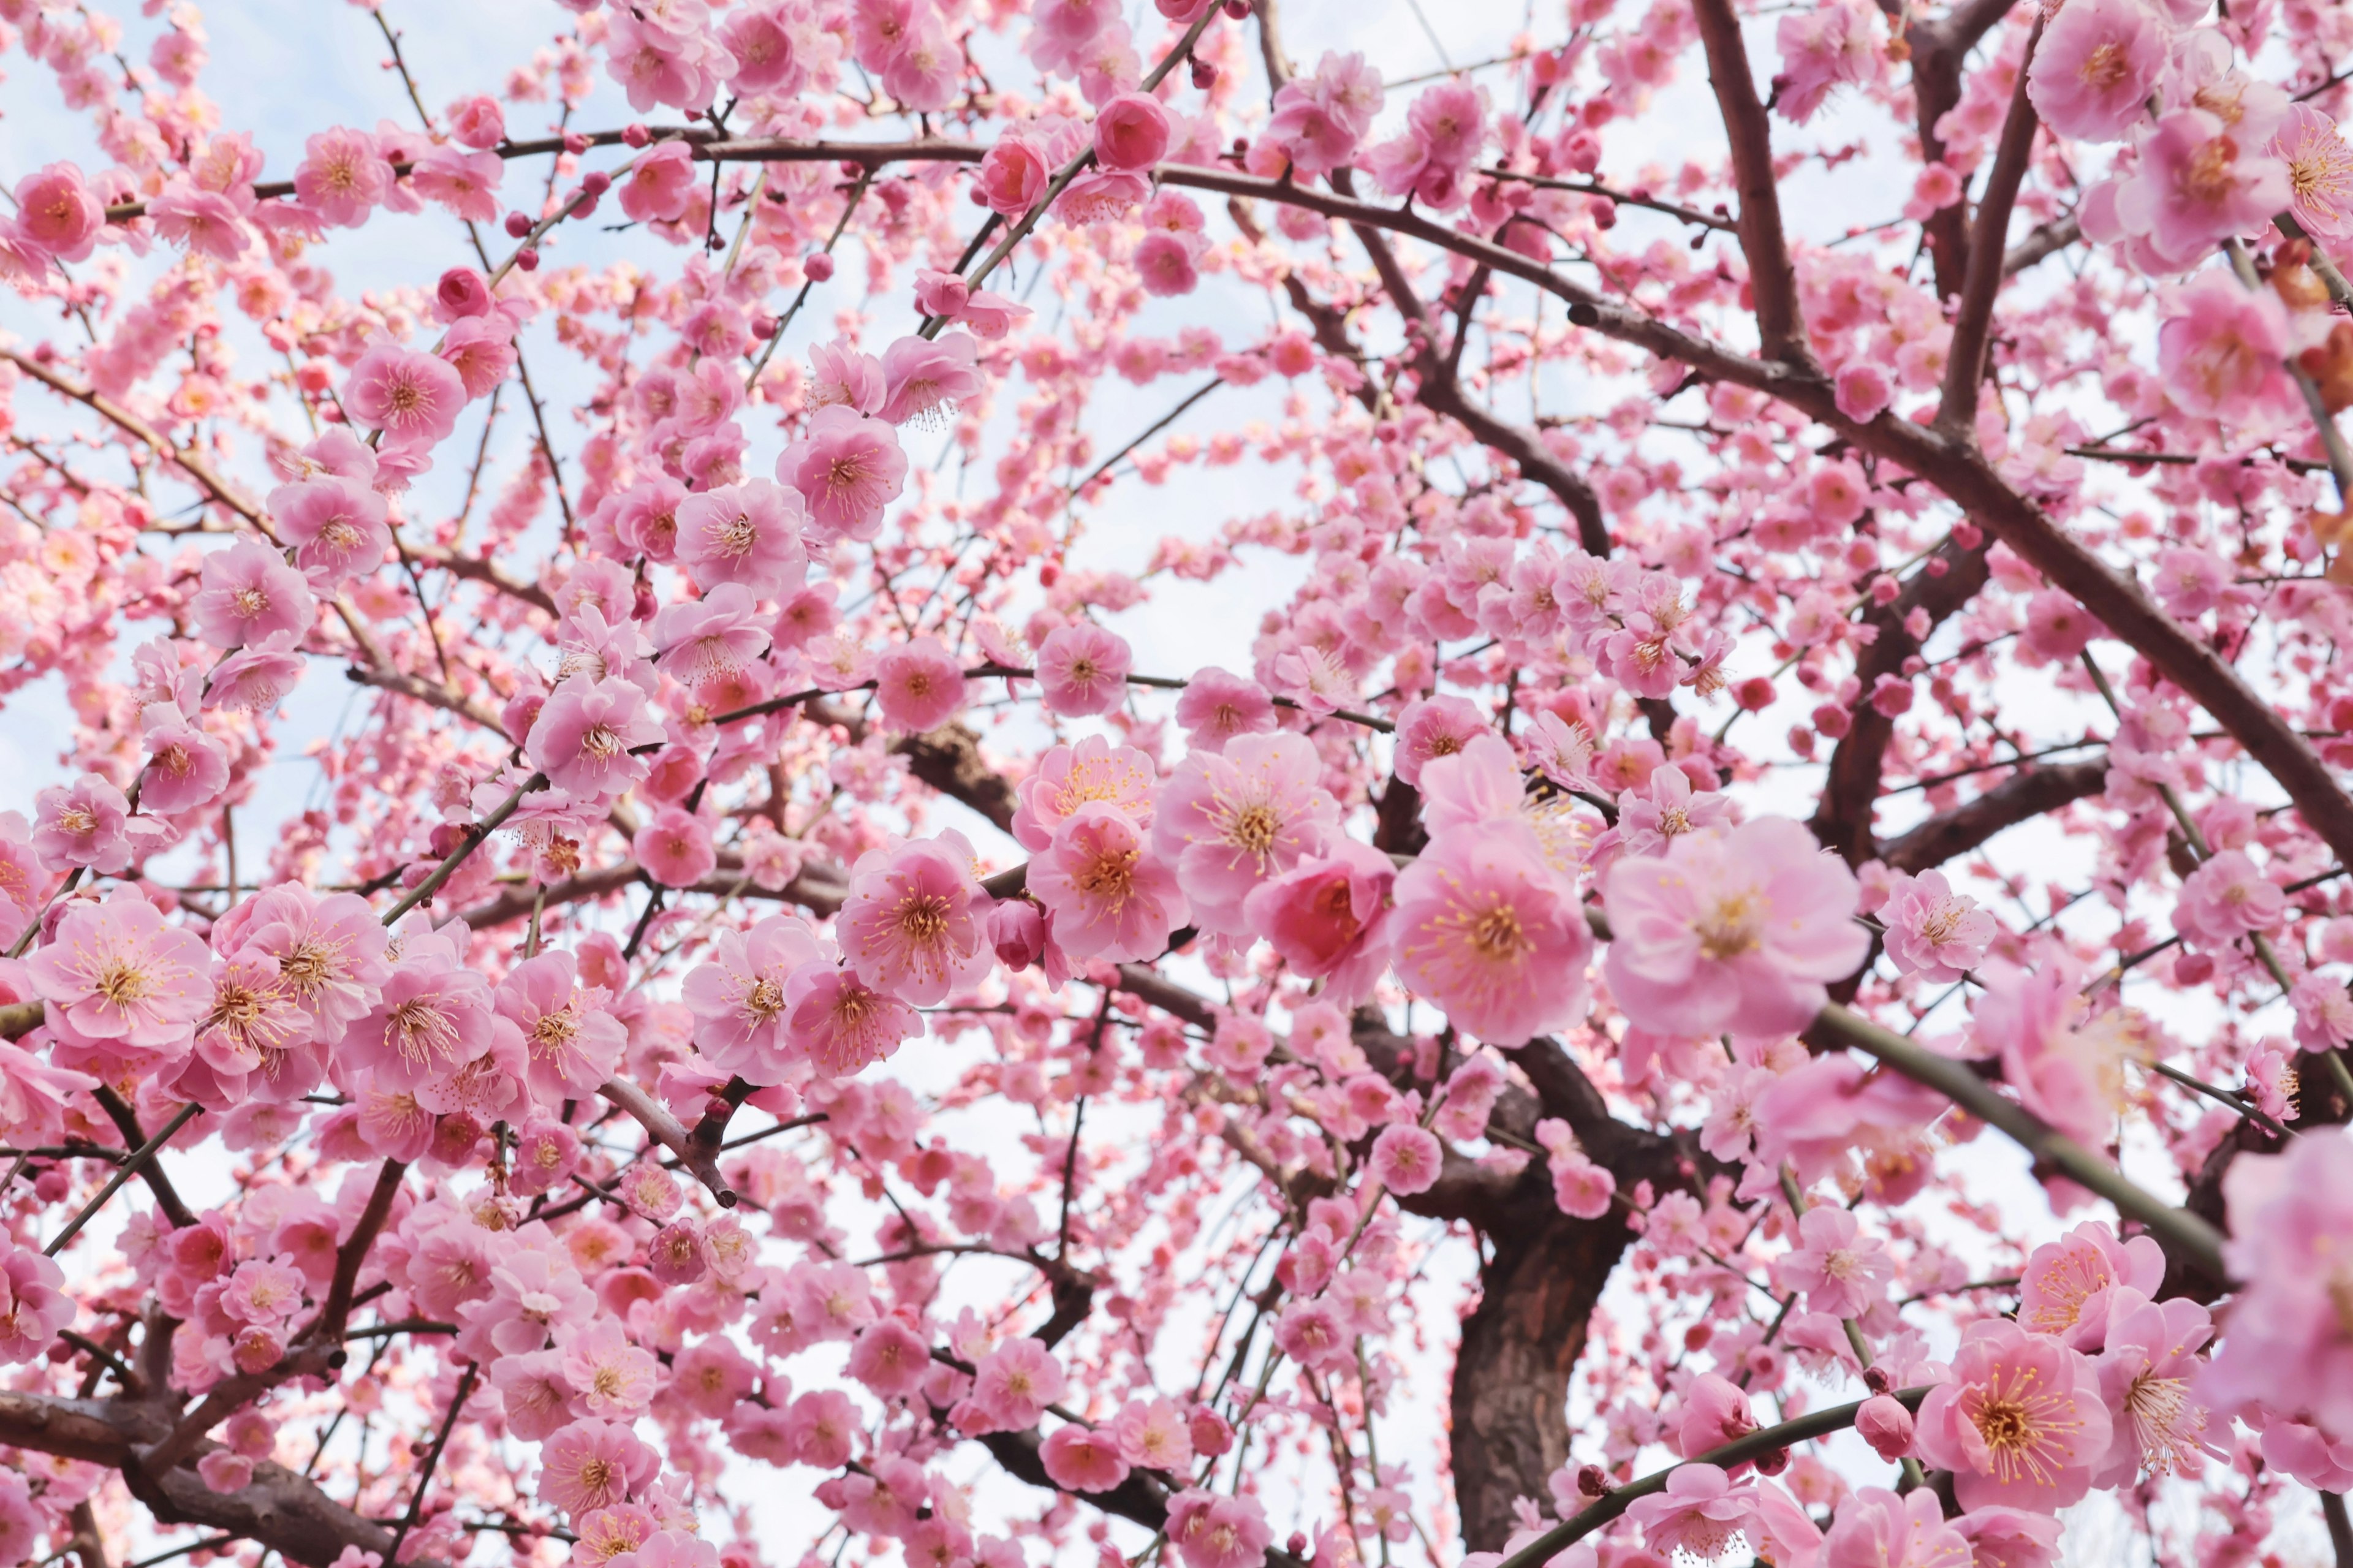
(2103, 68)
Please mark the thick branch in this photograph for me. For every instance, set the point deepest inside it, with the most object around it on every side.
(2019, 798)
(1965, 368)
(1771, 277)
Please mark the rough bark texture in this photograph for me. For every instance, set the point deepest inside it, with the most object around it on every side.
(1519, 1348)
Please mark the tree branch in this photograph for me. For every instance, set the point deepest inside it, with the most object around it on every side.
(2021, 797)
(1771, 277)
(1965, 368)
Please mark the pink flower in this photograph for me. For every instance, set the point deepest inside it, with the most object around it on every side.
(1877, 1529)
(571, 1043)
(1014, 176)
(2227, 898)
(1406, 1159)
(1329, 917)
(2065, 1070)
(2066, 1286)
(467, 183)
(2319, 171)
(223, 1471)
(847, 468)
(2221, 348)
(2009, 1537)
(1933, 931)
(336, 526)
(478, 122)
(115, 972)
(1231, 821)
(889, 1358)
(480, 349)
(1731, 930)
(592, 1465)
(186, 767)
(248, 593)
(748, 534)
(2095, 67)
(1886, 1425)
(2197, 186)
(920, 685)
(585, 733)
(2020, 1424)
(738, 997)
(1011, 1387)
(2289, 1344)
(1840, 1272)
(1715, 1412)
(413, 398)
(1218, 705)
(1823, 49)
(912, 924)
(344, 174)
(661, 184)
(1080, 1460)
(762, 43)
(1863, 391)
(32, 1308)
(1069, 777)
(675, 848)
(1431, 728)
(1110, 897)
(2147, 1368)
(82, 824)
(1699, 1513)
(433, 1017)
(1486, 930)
(1082, 670)
(924, 380)
(1154, 1436)
(1214, 1532)
(716, 635)
(1131, 132)
(1165, 264)
(206, 222)
(58, 213)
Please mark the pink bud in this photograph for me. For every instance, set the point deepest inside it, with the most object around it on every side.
(635, 134)
(1016, 928)
(595, 182)
(818, 265)
(518, 225)
(462, 291)
(1211, 1435)
(1886, 1425)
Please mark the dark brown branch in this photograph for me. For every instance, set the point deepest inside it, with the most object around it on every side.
(1965, 369)
(1938, 49)
(2022, 796)
(1772, 279)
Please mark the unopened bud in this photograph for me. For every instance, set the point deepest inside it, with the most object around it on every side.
(1773, 1461)
(636, 135)
(1886, 1425)
(1592, 1481)
(518, 225)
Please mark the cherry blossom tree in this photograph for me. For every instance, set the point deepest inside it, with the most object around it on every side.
(1750, 963)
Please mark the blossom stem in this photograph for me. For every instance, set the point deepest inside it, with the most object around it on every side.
(123, 1172)
(1820, 1424)
(474, 840)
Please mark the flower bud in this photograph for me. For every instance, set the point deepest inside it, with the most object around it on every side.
(818, 266)
(1016, 928)
(1886, 1425)
(635, 134)
(1592, 1481)
(518, 225)
(1211, 1435)
(462, 291)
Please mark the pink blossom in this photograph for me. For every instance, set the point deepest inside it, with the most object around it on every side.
(889, 1358)
(206, 222)
(342, 176)
(920, 685)
(1733, 930)
(1839, 1271)
(1218, 705)
(2288, 1345)
(1699, 1513)
(1886, 1425)
(1165, 263)
(2066, 1068)
(1011, 1387)
(1877, 1529)
(82, 823)
(571, 1043)
(2065, 1288)
(925, 380)
(1434, 727)
(1078, 1460)
(847, 468)
(1485, 931)
(413, 398)
(585, 734)
(1014, 176)
(1715, 1412)
(748, 534)
(2196, 186)
(58, 213)
(738, 996)
(593, 1465)
(2095, 67)
(675, 848)
(32, 1308)
(433, 1017)
(912, 924)
(2009, 1537)
(2020, 1424)
(186, 767)
(661, 183)
(1933, 931)
(1232, 820)
(716, 635)
(2226, 899)
(2319, 171)
(477, 121)
(1110, 897)
(1406, 1159)
(467, 183)
(336, 526)
(1863, 391)
(115, 972)
(480, 349)
(1212, 1530)
(1070, 777)
(2147, 1366)
(1830, 46)
(1082, 670)
(248, 593)
(1131, 131)
(2221, 347)
(1329, 917)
